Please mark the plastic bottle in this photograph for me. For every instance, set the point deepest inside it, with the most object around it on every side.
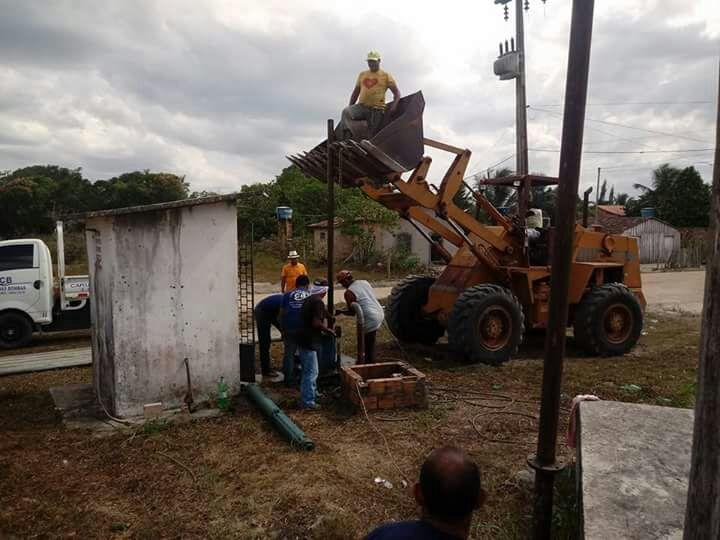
(223, 401)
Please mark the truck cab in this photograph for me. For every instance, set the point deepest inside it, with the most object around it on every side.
(30, 299)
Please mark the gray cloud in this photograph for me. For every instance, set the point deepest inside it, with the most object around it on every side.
(178, 86)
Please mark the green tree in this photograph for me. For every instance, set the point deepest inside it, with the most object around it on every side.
(32, 198)
(679, 197)
(621, 199)
(139, 188)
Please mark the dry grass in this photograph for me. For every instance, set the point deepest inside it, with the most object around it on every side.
(247, 483)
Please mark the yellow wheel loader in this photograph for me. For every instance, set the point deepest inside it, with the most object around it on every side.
(496, 282)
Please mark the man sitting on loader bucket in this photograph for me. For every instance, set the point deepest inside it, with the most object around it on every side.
(369, 93)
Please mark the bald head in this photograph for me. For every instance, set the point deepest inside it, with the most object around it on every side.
(449, 485)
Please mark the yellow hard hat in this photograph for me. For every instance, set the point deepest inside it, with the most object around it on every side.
(373, 55)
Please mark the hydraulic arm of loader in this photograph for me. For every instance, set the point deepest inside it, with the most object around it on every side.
(376, 166)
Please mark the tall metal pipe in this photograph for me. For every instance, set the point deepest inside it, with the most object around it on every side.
(544, 461)
(586, 203)
(330, 219)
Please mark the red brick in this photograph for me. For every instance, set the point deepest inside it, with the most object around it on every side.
(386, 402)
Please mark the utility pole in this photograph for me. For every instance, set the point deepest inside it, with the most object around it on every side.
(511, 65)
(521, 144)
(702, 514)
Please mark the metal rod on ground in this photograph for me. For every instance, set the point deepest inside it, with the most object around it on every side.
(330, 219)
(278, 418)
(702, 514)
(544, 461)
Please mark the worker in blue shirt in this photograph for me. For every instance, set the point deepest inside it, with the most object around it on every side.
(290, 324)
(267, 315)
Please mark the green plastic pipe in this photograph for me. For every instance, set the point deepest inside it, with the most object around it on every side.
(278, 418)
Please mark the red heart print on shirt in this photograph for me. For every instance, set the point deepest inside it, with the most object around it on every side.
(369, 83)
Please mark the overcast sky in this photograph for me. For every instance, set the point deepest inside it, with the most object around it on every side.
(220, 91)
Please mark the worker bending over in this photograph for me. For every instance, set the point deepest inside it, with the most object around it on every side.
(267, 315)
(367, 101)
(291, 271)
(360, 291)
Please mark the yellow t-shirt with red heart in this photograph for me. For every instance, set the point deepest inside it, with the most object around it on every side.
(373, 85)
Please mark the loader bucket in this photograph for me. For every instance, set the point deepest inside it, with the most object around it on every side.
(397, 147)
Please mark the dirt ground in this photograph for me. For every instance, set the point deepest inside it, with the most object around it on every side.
(234, 477)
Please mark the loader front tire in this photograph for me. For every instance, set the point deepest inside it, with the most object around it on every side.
(608, 320)
(486, 324)
(404, 312)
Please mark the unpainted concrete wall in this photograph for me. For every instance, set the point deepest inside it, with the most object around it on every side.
(164, 288)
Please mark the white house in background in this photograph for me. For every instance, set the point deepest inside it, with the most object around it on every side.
(401, 237)
(657, 240)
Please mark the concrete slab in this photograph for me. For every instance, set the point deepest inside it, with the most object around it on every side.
(634, 462)
(43, 361)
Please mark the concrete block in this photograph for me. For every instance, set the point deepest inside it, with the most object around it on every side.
(633, 463)
(152, 410)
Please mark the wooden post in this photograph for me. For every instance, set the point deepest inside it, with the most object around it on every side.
(702, 516)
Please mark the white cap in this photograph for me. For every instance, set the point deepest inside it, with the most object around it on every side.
(293, 255)
(318, 289)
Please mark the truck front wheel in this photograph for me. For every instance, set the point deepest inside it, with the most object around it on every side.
(15, 330)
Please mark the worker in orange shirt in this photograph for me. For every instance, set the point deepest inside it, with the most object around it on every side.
(291, 271)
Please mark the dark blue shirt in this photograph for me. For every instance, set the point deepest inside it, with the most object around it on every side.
(409, 530)
(291, 305)
(271, 305)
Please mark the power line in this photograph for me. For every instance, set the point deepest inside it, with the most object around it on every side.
(557, 150)
(618, 124)
(491, 166)
(614, 103)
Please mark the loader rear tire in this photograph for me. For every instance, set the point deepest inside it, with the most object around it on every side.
(486, 324)
(608, 320)
(404, 312)
(15, 330)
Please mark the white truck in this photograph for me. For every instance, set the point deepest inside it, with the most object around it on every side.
(31, 300)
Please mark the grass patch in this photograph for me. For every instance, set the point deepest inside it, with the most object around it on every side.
(247, 482)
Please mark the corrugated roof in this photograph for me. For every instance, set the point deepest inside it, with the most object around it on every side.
(324, 223)
(615, 224)
(616, 209)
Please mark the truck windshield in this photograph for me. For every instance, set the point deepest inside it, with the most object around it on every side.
(16, 257)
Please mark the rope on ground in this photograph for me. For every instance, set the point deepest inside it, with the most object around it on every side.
(377, 430)
(179, 463)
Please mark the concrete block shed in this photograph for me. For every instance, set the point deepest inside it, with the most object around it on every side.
(163, 282)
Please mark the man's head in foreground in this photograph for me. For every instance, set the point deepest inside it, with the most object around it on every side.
(449, 490)
(302, 282)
